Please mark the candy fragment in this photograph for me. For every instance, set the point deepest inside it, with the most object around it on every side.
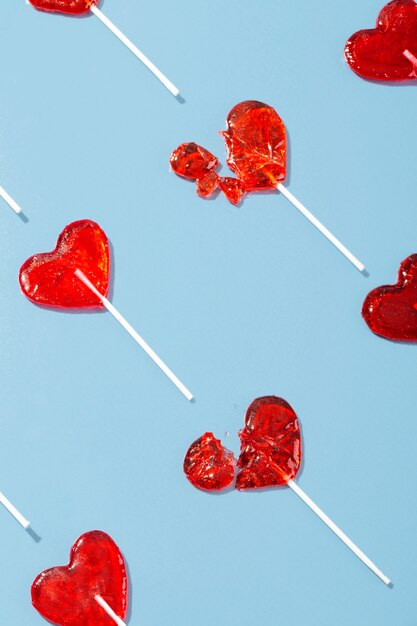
(270, 449)
(208, 465)
(66, 595)
(378, 53)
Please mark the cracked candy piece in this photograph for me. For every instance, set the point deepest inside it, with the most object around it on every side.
(49, 278)
(270, 444)
(71, 7)
(192, 161)
(256, 145)
(391, 310)
(232, 189)
(208, 465)
(65, 595)
(378, 53)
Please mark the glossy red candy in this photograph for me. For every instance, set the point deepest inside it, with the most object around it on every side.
(65, 595)
(256, 145)
(71, 7)
(192, 161)
(378, 53)
(49, 278)
(270, 449)
(391, 311)
(208, 465)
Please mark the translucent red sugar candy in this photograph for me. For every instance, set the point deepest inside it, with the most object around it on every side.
(378, 53)
(208, 465)
(66, 595)
(192, 161)
(72, 7)
(256, 145)
(49, 278)
(270, 450)
(391, 310)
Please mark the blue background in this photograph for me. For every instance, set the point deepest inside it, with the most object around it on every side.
(240, 302)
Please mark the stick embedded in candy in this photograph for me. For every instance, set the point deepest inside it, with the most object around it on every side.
(10, 201)
(79, 7)
(104, 605)
(76, 276)
(69, 595)
(384, 53)
(270, 456)
(257, 153)
(13, 511)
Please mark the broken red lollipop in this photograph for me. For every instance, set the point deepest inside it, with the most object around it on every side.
(76, 275)
(79, 7)
(387, 52)
(270, 456)
(69, 595)
(208, 465)
(391, 310)
(270, 451)
(256, 152)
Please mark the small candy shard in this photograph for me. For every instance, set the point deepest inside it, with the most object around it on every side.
(71, 7)
(208, 465)
(66, 595)
(49, 278)
(232, 189)
(256, 145)
(391, 310)
(270, 450)
(378, 54)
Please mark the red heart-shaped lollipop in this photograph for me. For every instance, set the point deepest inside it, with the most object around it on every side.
(270, 444)
(378, 53)
(49, 278)
(209, 465)
(65, 595)
(71, 7)
(391, 310)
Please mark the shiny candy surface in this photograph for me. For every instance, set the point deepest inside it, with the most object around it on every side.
(208, 465)
(71, 7)
(270, 450)
(378, 53)
(391, 310)
(65, 595)
(256, 145)
(49, 279)
(257, 151)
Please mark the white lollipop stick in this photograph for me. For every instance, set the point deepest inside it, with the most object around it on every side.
(317, 510)
(12, 203)
(324, 231)
(411, 58)
(132, 332)
(122, 37)
(104, 605)
(13, 511)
